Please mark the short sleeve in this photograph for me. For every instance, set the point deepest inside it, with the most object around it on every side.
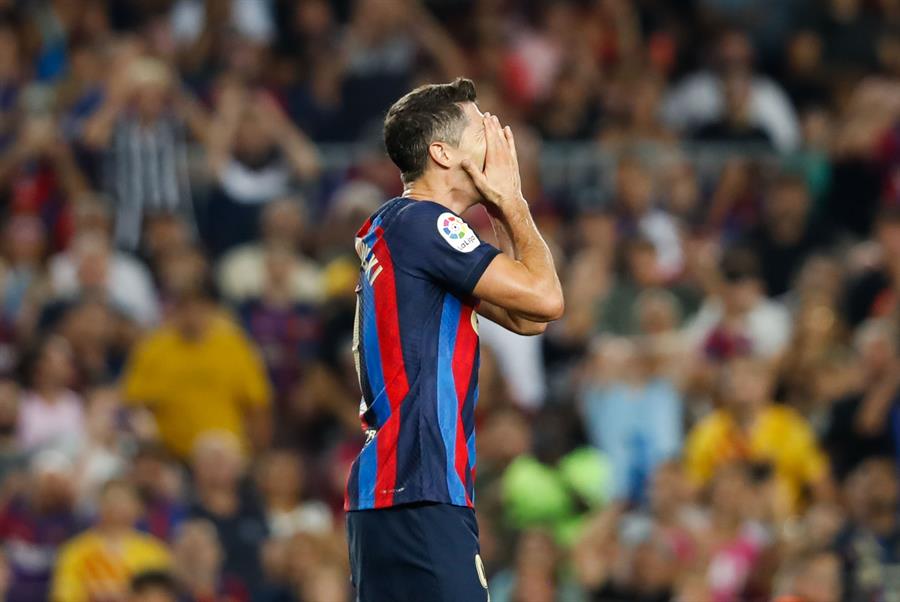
(432, 242)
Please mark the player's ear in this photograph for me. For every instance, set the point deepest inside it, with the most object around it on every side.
(442, 154)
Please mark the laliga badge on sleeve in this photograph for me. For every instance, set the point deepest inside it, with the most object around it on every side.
(457, 233)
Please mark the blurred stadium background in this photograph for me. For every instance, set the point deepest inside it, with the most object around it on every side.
(716, 418)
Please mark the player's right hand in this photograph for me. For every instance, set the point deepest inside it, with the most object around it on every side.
(500, 183)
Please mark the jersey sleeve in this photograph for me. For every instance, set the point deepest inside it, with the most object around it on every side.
(432, 242)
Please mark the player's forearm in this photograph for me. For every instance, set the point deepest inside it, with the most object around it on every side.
(510, 320)
(533, 253)
(501, 233)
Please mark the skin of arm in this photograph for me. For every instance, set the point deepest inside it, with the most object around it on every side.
(194, 115)
(98, 128)
(220, 140)
(520, 288)
(301, 153)
(510, 320)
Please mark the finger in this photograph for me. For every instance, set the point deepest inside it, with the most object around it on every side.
(511, 141)
(477, 176)
(496, 133)
(492, 141)
(507, 155)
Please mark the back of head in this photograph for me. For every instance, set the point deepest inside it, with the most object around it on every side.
(154, 586)
(428, 114)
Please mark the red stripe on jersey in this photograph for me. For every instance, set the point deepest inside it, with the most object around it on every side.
(365, 228)
(463, 360)
(395, 380)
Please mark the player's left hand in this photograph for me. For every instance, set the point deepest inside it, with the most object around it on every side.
(500, 183)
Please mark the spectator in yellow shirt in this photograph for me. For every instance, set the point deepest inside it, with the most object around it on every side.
(749, 427)
(200, 373)
(99, 563)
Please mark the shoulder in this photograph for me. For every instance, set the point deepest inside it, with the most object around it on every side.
(149, 545)
(158, 340)
(710, 427)
(408, 212)
(250, 253)
(431, 221)
(225, 328)
(785, 417)
(78, 545)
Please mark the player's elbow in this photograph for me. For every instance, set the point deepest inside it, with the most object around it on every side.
(530, 329)
(558, 307)
(551, 306)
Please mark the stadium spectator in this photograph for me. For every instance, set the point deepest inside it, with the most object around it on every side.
(123, 279)
(113, 543)
(287, 331)
(12, 457)
(738, 318)
(734, 541)
(35, 522)
(158, 482)
(787, 235)
(51, 414)
(142, 127)
(860, 424)
(100, 457)
(749, 427)
(867, 546)
(700, 97)
(255, 154)
(25, 287)
(536, 574)
(816, 577)
(638, 216)
(100, 337)
(198, 558)
(633, 413)
(818, 365)
(242, 272)
(870, 293)
(199, 340)
(218, 464)
(39, 174)
(12, 79)
(281, 483)
(736, 125)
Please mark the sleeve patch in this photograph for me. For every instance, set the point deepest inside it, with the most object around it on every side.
(457, 233)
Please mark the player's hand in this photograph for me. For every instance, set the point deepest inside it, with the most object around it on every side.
(500, 183)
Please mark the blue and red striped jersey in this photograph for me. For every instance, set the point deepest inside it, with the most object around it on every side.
(416, 348)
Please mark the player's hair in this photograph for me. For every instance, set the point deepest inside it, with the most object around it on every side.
(428, 113)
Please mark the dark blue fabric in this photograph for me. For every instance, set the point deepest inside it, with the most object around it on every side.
(431, 274)
(415, 553)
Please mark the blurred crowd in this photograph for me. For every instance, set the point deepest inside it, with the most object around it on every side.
(715, 419)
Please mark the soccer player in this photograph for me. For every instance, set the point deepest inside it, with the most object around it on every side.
(425, 275)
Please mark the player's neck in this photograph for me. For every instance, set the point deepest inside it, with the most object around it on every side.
(440, 192)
